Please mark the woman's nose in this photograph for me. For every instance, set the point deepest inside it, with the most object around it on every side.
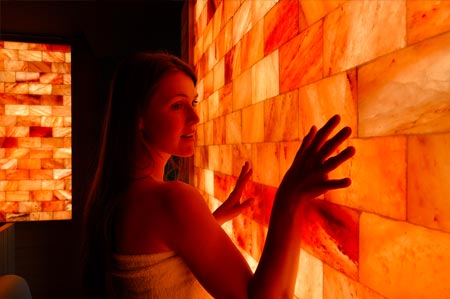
(193, 117)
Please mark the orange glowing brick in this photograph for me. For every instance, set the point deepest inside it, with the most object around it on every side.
(15, 66)
(62, 132)
(51, 78)
(8, 76)
(17, 195)
(39, 88)
(67, 79)
(52, 184)
(15, 45)
(61, 90)
(62, 194)
(253, 123)
(7, 120)
(29, 142)
(52, 163)
(29, 164)
(41, 195)
(28, 185)
(30, 55)
(17, 110)
(62, 215)
(17, 131)
(9, 142)
(281, 117)
(16, 174)
(62, 111)
(42, 67)
(8, 98)
(52, 142)
(62, 153)
(28, 121)
(41, 174)
(41, 132)
(64, 68)
(242, 90)
(9, 185)
(27, 77)
(53, 56)
(41, 153)
(52, 121)
(51, 100)
(8, 163)
(59, 174)
(9, 54)
(16, 88)
(28, 207)
(15, 153)
(233, 121)
(263, 155)
(7, 206)
(51, 206)
(67, 142)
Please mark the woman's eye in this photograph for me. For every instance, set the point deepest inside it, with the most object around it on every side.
(177, 106)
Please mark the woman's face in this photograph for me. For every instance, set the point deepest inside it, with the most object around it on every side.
(170, 121)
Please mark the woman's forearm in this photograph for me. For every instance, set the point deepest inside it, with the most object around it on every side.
(276, 274)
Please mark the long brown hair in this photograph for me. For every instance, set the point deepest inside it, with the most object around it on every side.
(134, 82)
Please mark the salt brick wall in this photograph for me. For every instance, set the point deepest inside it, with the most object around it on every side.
(268, 70)
(35, 132)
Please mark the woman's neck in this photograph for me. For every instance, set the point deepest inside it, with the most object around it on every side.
(150, 163)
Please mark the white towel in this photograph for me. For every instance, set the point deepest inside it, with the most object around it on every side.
(150, 276)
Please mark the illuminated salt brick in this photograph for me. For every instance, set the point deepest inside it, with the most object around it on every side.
(62, 153)
(209, 181)
(219, 74)
(52, 121)
(15, 66)
(208, 84)
(242, 90)
(67, 100)
(27, 77)
(309, 283)
(264, 156)
(252, 44)
(224, 41)
(213, 157)
(225, 99)
(17, 110)
(15, 45)
(242, 21)
(2, 153)
(266, 78)
(401, 260)
(59, 174)
(17, 196)
(337, 285)
(53, 56)
(51, 206)
(212, 58)
(67, 79)
(29, 142)
(41, 216)
(51, 100)
(233, 122)
(41, 153)
(17, 174)
(17, 132)
(62, 215)
(9, 185)
(201, 157)
(28, 207)
(225, 159)
(386, 193)
(9, 99)
(61, 67)
(9, 54)
(410, 74)
(30, 55)
(241, 153)
(8, 207)
(301, 59)
(8, 76)
(68, 57)
(61, 111)
(17, 153)
(51, 78)
(28, 99)
(213, 105)
(68, 184)
(29, 164)
(52, 163)
(2, 132)
(7, 120)
(52, 143)
(42, 67)
(2, 87)
(40, 131)
(29, 185)
(28, 120)
(8, 163)
(380, 26)
(67, 142)
(9, 142)
(39, 88)
(52, 184)
(40, 174)
(429, 181)
(208, 132)
(426, 19)
(16, 88)
(321, 100)
(250, 235)
(288, 150)
(41, 195)
(312, 11)
(253, 123)
(64, 90)
(281, 117)
(233, 63)
(280, 25)
(62, 194)
(219, 129)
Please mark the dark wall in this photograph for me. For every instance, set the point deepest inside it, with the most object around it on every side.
(48, 253)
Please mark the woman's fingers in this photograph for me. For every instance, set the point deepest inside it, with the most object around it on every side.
(332, 144)
(334, 162)
(324, 132)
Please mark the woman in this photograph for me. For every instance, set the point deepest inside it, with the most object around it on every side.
(151, 238)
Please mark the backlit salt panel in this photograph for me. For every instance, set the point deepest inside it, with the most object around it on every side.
(268, 70)
(35, 132)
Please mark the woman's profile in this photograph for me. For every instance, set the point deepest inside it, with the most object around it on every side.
(147, 237)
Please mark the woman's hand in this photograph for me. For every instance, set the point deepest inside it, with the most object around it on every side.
(307, 177)
(233, 206)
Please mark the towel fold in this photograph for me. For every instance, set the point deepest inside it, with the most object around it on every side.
(159, 275)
